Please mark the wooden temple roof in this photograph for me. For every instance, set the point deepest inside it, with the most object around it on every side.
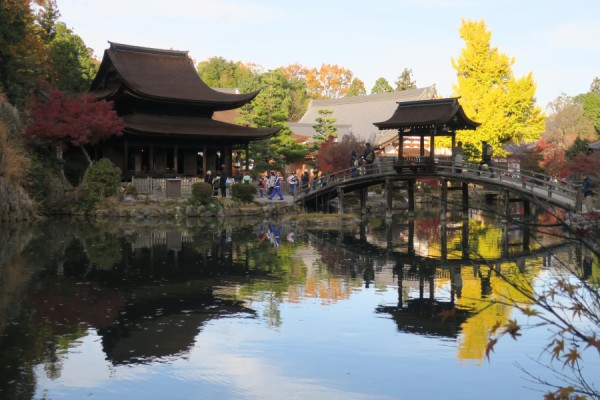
(184, 126)
(167, 75)
(423, 114)
(141, 79)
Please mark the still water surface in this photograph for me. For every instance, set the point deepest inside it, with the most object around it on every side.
(266, 310)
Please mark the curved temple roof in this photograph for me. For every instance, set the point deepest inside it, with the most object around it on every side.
(428, 113)
(186, 126)
(159, 74)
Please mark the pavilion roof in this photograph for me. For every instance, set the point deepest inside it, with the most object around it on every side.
(160, 75)
(189, 126)
(437, 113)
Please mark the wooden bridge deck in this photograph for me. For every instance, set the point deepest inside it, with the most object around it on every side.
(532, 186)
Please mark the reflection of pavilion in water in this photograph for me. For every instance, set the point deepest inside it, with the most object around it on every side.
(454, 290)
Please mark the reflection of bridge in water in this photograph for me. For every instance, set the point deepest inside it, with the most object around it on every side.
(431, 299)
(511, 185)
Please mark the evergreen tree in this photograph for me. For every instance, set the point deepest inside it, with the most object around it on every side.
(73, 68)
(22, 53)
(325, 127)
(219, 72)
(381, 86)
(490, 94)
(591, 108)
(270, 110)
(356, 88)
(405, 81)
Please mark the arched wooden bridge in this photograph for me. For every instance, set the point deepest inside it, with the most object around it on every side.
(524, 185)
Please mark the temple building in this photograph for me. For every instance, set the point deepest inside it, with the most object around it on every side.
(356, 115)
(168, 114)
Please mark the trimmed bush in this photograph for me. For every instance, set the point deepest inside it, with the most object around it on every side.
(243, 192)
(103, 179)
(202, 192)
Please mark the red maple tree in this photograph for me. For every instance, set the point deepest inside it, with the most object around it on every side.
(62, 120)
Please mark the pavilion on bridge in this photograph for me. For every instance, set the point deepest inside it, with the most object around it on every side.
(426, 119)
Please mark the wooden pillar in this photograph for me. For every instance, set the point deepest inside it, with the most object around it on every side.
(422, 145)
(400, 145)
(464, 242)
(126, 158)
(340, 194)
(444, 199)
(444, 240)
(389, 195)
(432, 144)
(505, 238)
(465, 199)
(506, 216)
(151, 156)
(204, 158)
(389, 234)
(411, 195)
(175, 161)
(526, 209)
(411, 235)
(363, 200)
(247, 158)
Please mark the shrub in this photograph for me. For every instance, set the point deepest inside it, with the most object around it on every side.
(103, 179)
(202, 192)
(130, 190)
(243, 192)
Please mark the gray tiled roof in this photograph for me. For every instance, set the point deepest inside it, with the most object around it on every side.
(357, 114)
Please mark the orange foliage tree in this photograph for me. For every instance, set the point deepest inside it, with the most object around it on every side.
(328, 82)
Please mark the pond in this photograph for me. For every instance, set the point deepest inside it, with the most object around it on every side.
(259, 309)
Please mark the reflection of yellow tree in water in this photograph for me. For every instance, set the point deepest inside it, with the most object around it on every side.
(483, 291)
(489, 308)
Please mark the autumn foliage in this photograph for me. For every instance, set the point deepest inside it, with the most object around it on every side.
(335, 156)
(63, 120)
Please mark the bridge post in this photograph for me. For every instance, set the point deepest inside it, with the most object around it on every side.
(363, 200)
(411, 235)
(340, 196)
(465, 199)
(444, 240)
(506, 217)
(526, 209)
(464, 240)
(444, 199)
(389, 194)
(411, 195)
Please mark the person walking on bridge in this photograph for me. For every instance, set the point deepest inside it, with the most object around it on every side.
(588, 193)
(487, 151)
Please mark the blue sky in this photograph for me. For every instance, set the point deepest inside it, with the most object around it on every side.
(559, 42)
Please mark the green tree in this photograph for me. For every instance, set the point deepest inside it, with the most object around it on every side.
(595, 86)
(381, 86)
(47, 18)
(73, 67)
(491, 95)
(219, 72)
(591, 108)
(356, 88)
(325, 127)
(22, 53)
(270, 110)
(405, 81)
(299, 99)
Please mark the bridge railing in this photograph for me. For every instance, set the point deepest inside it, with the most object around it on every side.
(533, 182)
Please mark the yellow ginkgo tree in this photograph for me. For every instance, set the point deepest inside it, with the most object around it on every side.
(491, 95)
